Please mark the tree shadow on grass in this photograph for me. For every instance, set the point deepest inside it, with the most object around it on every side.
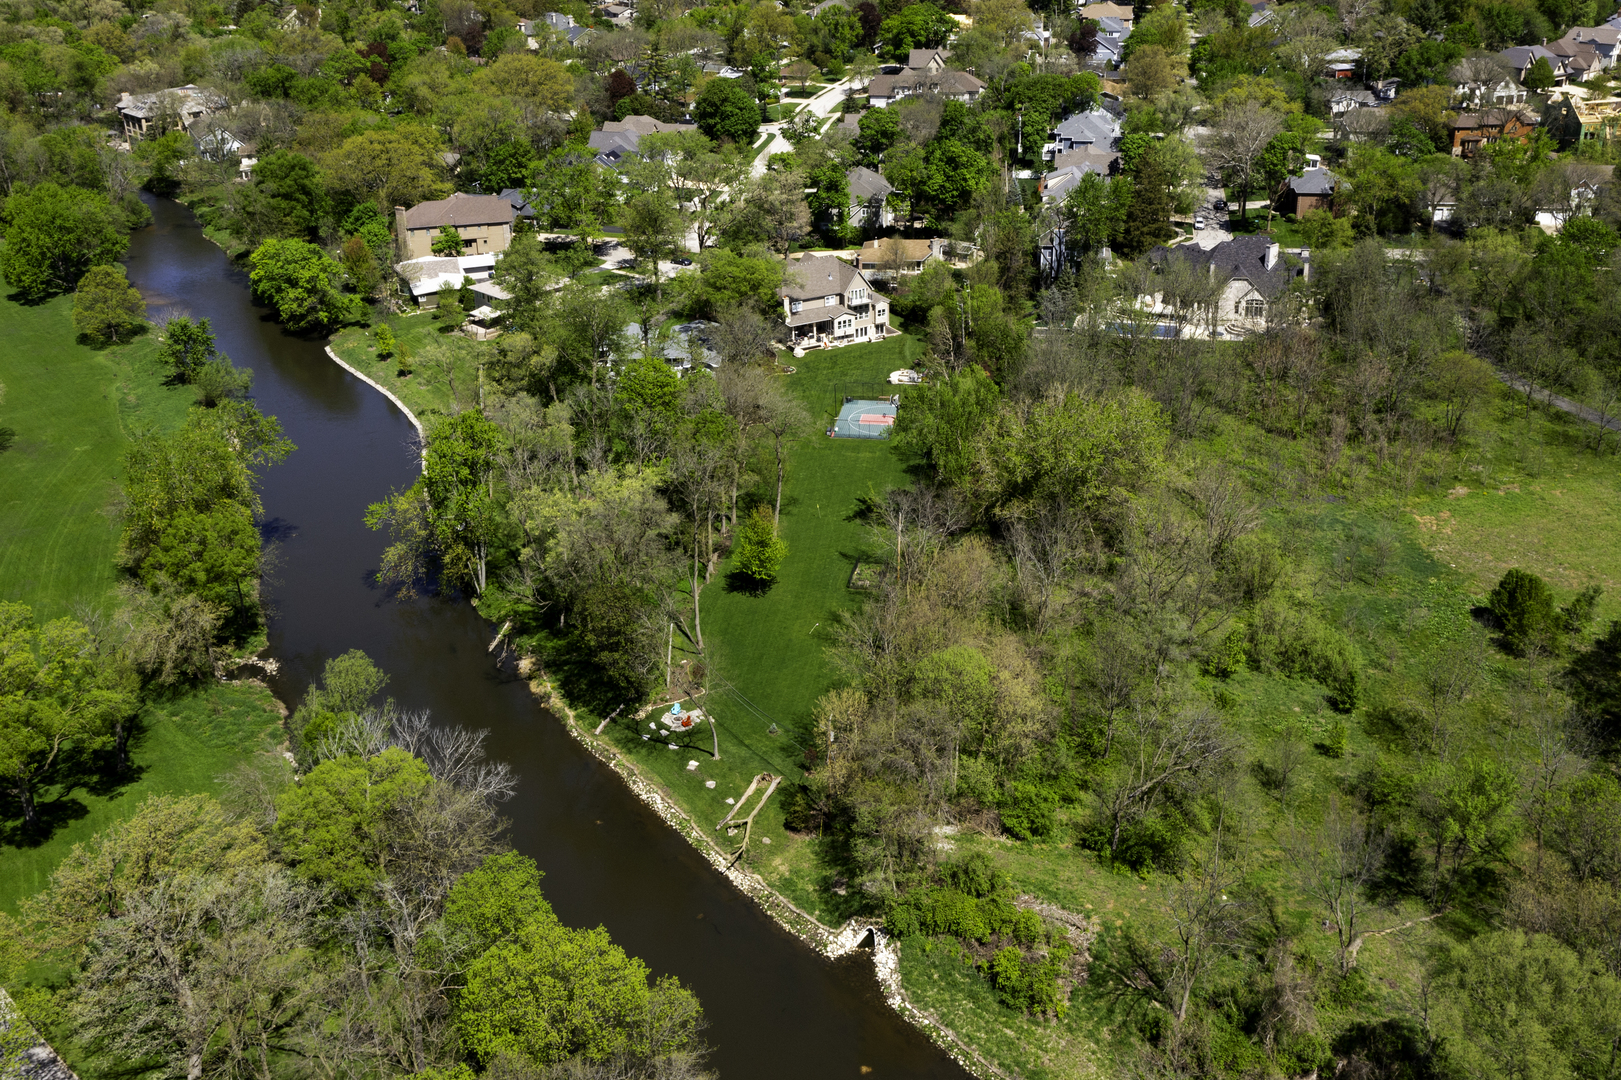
(79, 775)
(740, 581)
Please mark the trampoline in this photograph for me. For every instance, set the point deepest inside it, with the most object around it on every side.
(865, 418)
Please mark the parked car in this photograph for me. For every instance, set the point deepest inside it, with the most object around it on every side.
(1198, 222)
(1221, 204)
(683, 262)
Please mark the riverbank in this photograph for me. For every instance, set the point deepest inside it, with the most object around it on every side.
(830, 942)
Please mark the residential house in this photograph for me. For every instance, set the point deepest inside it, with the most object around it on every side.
(928, 59)
(869, 193)
(1343, 101)
(1582, 194)
(1473, 129)
(1521, 57)
(911, 82)
(426, 277)
(562, 26)
(1342, 63)
(826, 301)
(484, 223)
(1262, 15)
(826, 4)
(1606, 42)
(1255, 274)
(617, 138)
(1571, 121)
(1117, 29)
(519, 200)
(621, 15)
(1362, 125)
(1502, 93)
(1385, 89)
(174, 109)
(1095, 129)
(1580, 57)
(1123, 12)
(1314, 189)
(214, 139)
(899, 257)
(1093, 159)
(1109, 51)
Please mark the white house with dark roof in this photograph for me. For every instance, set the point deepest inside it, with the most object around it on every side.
(826, 302)
(1522, 57)
(484, 223)
(1095, 129)
(1255, 277)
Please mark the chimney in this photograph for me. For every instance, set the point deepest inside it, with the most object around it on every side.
(1272, 254)
(1305, 263)
(401, 234)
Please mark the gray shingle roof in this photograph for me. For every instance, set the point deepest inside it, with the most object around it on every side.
(1313, 182)
(1094, 126)
(460, 210)
(1244, 258)
(866, 184)
(817, 276)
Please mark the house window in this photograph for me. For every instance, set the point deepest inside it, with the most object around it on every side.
(1254, 309)
(831, 301)
(795, 306)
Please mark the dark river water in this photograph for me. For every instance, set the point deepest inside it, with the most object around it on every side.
(775, 1008)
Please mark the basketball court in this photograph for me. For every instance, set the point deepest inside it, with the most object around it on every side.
(863, 418)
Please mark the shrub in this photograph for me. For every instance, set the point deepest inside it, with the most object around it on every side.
(1029, 983)
(1523, 604)
(1028, 811)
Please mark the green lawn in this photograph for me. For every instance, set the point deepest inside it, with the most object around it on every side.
(183, 747)
(768, 652)
(427, 389)
(73, 409)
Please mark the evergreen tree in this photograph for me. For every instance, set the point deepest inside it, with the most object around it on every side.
(760, 550)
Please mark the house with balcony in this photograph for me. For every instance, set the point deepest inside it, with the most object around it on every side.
(828, 302)
(174, 109)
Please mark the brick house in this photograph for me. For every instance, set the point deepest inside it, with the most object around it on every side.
(1313, 189)
(1472, 130)
(484, 222)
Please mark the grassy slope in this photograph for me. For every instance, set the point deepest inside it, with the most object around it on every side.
(73, 409)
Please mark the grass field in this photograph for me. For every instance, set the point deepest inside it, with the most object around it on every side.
(182, 748)
(73, 409)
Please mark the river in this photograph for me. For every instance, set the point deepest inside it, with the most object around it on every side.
(775, 1008)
